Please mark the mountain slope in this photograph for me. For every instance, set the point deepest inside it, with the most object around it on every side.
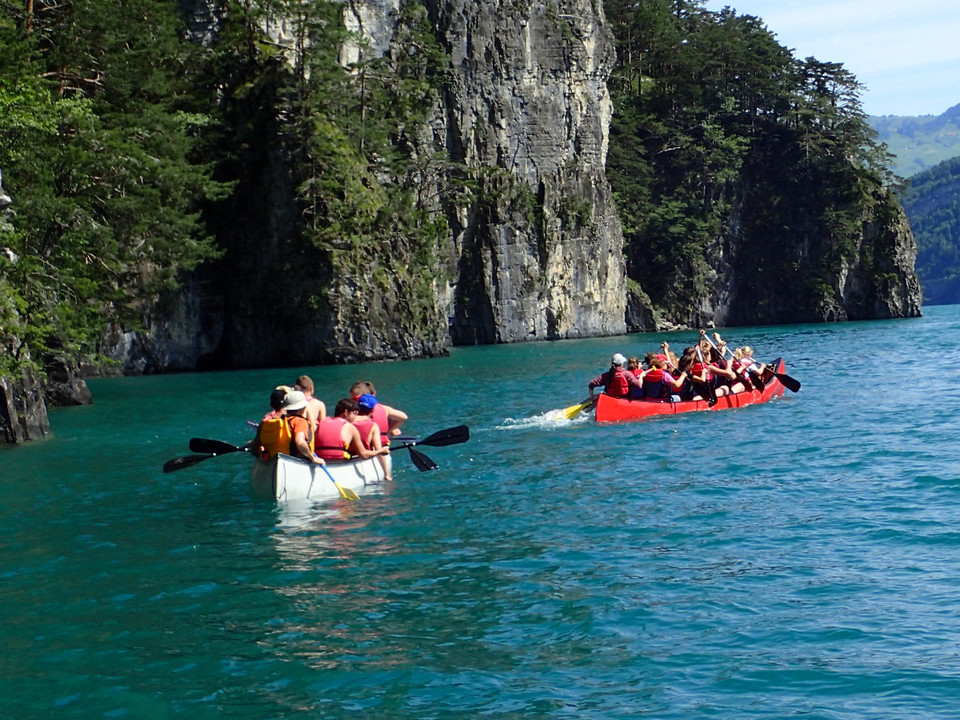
(932, 203)
(921, 142)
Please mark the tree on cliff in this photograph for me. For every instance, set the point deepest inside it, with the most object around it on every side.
(127, 146)
(724, 144)
(98, 142)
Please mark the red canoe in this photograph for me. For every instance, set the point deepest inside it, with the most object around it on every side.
(611, 409)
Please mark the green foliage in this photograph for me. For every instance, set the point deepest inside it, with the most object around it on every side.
(919, 143)
(347, 125)
(932, 202)
(716, 120)
(97, 150)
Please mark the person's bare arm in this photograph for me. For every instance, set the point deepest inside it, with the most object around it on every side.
(303, 445)
(355, 443)
(395, 418)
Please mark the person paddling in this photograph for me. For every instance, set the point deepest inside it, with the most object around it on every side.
(301, 445)
(337, 437)
(617, 381)
(316, 410)
(369, 431)
(660, 385)
(388, 419)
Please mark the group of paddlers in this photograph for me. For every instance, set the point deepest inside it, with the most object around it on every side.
(704, 371)
(298, 425)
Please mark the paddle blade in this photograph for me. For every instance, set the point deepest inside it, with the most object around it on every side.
(788, 382)
(757, 382)
(203, 445)
(571, 412)
(347, 493)
(186, 461)
(450, 436)
(421, 461)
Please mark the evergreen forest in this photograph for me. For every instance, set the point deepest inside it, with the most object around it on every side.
(717, 123)
(932, 202)
(126, 143)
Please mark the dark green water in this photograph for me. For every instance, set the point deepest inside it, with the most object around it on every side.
(796, 559)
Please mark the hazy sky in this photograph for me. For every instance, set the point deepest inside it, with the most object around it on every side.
(906, 52)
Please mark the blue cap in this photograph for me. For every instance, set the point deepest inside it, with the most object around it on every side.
(367, 401)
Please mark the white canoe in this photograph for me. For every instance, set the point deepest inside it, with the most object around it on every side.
(286, 478)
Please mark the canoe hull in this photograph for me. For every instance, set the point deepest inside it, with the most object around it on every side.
(610, 409)
(285, 478)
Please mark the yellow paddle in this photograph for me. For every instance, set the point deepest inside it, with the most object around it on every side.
(571, 412)
(345, 493)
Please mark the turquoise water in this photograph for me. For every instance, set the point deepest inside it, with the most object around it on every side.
(795, 559)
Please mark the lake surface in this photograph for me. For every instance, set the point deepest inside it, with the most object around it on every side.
(794, 559)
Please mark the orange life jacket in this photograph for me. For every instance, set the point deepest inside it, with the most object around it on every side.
(275, 436)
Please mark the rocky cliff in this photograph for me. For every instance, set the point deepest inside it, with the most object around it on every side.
(804, 278)
(534, 250)
(536, 254)
(529, 97)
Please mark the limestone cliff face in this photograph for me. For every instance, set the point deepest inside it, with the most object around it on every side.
(807, 274)
(535, 254)
(538, 254)
(542, 259)
(23, 412)
(881, 283)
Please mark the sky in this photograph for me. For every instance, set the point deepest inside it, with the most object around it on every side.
(906, 52)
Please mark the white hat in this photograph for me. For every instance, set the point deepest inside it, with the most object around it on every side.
(619, 359)
(295, 400)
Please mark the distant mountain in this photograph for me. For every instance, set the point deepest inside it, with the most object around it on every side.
(932, 203)
(921, 142)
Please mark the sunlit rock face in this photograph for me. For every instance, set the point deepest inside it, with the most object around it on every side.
(543, 259)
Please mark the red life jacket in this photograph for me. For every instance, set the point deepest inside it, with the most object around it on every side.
(617, 384)
(655, 375)
(379, 416)
(329, 444)
(653, 384)
(364, 426)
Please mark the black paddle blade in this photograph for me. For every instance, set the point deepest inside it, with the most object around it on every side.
(788, 382)
(202, 445)
(422, 461)
(450, 436)
(186, 461)
(757, 382)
